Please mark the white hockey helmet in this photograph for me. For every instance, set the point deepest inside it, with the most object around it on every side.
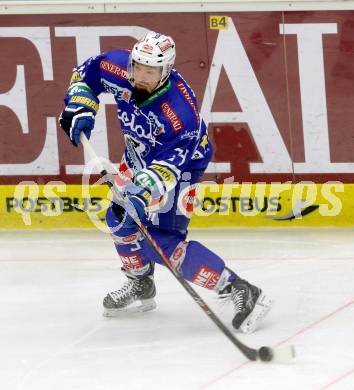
(154, 49)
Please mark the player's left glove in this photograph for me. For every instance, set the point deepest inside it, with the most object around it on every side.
(137, 198)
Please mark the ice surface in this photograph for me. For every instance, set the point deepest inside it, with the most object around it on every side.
(53, 335)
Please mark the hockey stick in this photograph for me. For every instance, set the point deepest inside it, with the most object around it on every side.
(265, 354)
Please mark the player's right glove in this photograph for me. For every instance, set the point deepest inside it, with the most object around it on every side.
(137, 198)
(79, 115)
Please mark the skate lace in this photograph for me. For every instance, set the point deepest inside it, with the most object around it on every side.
(235, 296)
(128, 289)
(238, 297)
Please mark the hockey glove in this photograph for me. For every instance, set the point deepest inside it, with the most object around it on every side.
(137, 198)
(79, 116)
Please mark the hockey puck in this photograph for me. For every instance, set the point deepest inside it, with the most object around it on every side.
(265, 354)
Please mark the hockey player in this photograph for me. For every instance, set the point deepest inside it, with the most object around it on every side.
(166, 153)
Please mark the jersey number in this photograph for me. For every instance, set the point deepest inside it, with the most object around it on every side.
(181, 154)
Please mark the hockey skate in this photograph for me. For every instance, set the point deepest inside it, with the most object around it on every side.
(250, 304)
(136, 289)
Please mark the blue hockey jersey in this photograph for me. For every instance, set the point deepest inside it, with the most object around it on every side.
(164, 135)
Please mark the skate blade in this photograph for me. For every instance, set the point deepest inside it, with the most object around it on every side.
(261, 309)
(146, 305)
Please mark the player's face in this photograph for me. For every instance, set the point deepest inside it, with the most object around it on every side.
(146, 77)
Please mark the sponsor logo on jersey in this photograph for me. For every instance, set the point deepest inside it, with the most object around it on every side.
(178, 255)
(133, 238)
(114, 69)
(145, 180)
(165, 45)
(167, 175)
(189, 99)
(197, 155)
(190, 134)
(130, 238)
(172, 117)
(119, 92)
(189, 199)
(78, 88)
(75, 77)
(206, 277)
(131, 261)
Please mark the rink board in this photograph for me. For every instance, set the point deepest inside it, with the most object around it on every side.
(274, 87)
(55, 206)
